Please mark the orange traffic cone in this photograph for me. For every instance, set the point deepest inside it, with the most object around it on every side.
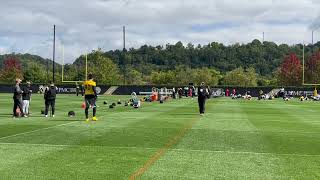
(83, 106)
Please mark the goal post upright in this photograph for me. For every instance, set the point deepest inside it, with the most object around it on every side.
(62, 65)
(303, 64)
(86, 78)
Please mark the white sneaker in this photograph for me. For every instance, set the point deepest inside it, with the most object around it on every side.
(52, 115)
(25, 116)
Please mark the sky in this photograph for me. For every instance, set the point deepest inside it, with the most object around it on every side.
(83, 25)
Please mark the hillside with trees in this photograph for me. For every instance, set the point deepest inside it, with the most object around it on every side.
(26, 66)
(251, 64)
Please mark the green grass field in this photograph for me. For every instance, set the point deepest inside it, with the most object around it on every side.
(236, 139)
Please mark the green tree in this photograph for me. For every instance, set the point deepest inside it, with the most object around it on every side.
(210, 76)
(162, 78)
(251, 78)
(240, 77)
(134, 77)
(105, 71)
(182, 75)
(34, 73)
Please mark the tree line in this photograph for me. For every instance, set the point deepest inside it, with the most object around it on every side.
(251, 64)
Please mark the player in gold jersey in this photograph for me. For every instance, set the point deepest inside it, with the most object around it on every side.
(90, 96)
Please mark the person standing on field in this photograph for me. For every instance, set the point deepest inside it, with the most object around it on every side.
(190, 91)
(90, 96)
(227, 92)
(174, 95)
(26, 96)
(50, 98)
(17, 98)
(203, 93)
(77, 89)
(193, 91)
(82, 90)
(180, 93)
(234, 92)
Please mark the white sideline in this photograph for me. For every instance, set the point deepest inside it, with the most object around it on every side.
(175, 149)
(28, 132)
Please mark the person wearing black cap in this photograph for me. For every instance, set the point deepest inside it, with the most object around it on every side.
(203, 92)
(50, 98)
(17, 98)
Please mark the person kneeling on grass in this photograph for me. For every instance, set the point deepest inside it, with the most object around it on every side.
(50, 98)
(90, 96)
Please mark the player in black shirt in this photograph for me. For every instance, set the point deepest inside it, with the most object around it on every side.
(26, 96)
(50, 98)
(203, 93)
(17, 98)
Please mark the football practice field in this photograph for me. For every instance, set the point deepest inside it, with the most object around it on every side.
(236, 139)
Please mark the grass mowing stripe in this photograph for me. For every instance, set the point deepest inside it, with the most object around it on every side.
(163, 150)
(80, 146)
(29, 132)
(255, 131)
(172, 149)
(247, 152)
(236, 139)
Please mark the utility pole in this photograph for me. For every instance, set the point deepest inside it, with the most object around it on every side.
(124, 54)
(124, 37)
(54, 52)
(48, 70)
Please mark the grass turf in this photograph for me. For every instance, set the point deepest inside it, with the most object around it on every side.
(236, 139)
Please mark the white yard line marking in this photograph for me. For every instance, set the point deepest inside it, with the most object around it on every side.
(29, 132)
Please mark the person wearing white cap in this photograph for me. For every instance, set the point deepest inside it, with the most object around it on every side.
(203, 93)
